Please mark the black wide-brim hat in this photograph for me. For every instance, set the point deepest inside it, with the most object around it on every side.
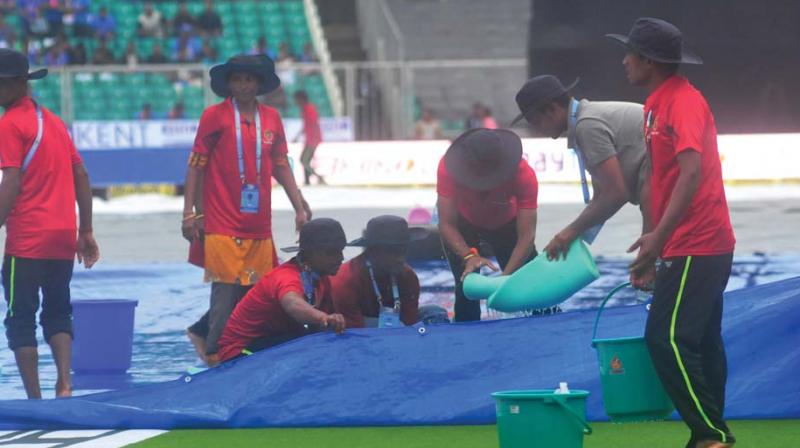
(320, 234)
(14, 64)
(538, 91)
(657, 40)
(389, 230)
(259, 65)
(482, 159)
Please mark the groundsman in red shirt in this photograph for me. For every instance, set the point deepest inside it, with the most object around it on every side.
(692, 238)
(240, 146)
(43, 177)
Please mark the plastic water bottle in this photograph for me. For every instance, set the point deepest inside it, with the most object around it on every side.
(562, 388)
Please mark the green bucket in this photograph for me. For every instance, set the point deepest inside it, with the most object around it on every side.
(632, 391)
(541, 418)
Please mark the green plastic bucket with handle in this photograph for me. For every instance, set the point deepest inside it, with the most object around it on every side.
(541, 418)
(632, 391)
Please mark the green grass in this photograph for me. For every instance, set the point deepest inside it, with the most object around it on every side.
(749, 433)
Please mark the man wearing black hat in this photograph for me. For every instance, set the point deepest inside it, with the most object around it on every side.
(293, 299)
(692, 236)
(43, 176)
(487, 194)
(378, 288)
(607, 137)
(240, 145)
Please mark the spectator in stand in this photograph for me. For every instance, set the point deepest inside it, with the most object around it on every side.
(102, 54)
(54, 14)
(209, 23)
(158, 56)
(475, 118)
(261, 47)
(104, 24)
(131, 58)
(284, 55)
(183, 21)
(146, 113)
(36, 24)
(283, 63)
(78, 13)
(208, 54)
(177, 112)
(58, 54)
(7, 33)
(7, 6)
(77, 55)
(309, 55)
(428, 127)
(487, 120)
(188, 42)
(150, 23)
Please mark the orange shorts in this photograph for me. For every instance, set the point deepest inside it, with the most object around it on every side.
(236, 260)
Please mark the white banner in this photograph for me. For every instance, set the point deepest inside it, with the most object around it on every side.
(160, 134)
(757, 157)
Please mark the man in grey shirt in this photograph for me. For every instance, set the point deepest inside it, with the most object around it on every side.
(608, 137)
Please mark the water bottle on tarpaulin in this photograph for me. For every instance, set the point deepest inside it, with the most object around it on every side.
(562, 389)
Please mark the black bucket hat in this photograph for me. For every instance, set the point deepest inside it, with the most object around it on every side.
(388, 230)
(537, 91)
(657, 40)
(259, 65)
(481, 159)
(14, 64)
(320, 234)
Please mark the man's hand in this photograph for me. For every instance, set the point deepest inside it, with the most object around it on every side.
(649, 245)
(559, 245)
(300, 219)
(334, 322)
(192, 228)
(474, 264)
(645, 280)
(88, 251)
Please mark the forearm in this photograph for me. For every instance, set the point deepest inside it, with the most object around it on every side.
(681, 199)
(645, 206)
(453, 239)
(83, 195)
(283, 174)
(192, 191)
(9, 190)
(302, 312)
(526, 235)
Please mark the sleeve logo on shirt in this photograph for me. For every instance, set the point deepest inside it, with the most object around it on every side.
(268, 137)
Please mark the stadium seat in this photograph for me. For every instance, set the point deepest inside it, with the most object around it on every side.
(293, 7)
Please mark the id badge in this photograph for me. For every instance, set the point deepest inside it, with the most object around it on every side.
(249, 199)
(389, 318)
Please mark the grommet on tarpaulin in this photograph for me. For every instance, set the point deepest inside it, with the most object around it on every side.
(422, 331)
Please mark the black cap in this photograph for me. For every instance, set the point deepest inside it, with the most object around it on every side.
(657, 40)
(14, 64)
(537, 91)
(320, 234)
(388, 230)
(481, 159)
(259, 65)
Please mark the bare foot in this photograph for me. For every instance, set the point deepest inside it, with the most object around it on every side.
(63, 390)
(199, 344)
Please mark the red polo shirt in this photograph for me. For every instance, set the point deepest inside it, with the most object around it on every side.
(677, 119)
(311, 125)
(494, 208)
(216, 139)
(354, 297)
(260, 314)
(42, 223)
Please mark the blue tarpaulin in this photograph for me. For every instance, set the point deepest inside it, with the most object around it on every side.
(440, 374)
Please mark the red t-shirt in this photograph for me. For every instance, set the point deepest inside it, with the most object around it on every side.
(259, 314)
(677, 119)
(216, 138)
(494, 208)
(42, 223)
(354, 297)
(311, 125)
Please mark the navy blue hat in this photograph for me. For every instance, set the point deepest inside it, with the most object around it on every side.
(481, 159)
(320, 234)
(537, 91)
(388, 230)
(14, 64)
(259, 65)
(657, 40)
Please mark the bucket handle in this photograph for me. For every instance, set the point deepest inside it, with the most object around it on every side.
(602, 306)
(585, 425)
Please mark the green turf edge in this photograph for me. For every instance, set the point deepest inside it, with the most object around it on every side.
(749, 433)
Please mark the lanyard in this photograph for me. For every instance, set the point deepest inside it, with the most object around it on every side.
(573, 122)
(395, 289)
(37, 141)
(308, 278)
(240, 146)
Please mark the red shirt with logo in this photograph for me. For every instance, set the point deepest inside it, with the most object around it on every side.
(677, 119)
(494, 208)
(260, 314)
(311, 125)
(42, 224)
(216, 139)
(354, 296)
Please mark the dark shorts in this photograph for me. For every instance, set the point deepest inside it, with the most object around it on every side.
(23, 278)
